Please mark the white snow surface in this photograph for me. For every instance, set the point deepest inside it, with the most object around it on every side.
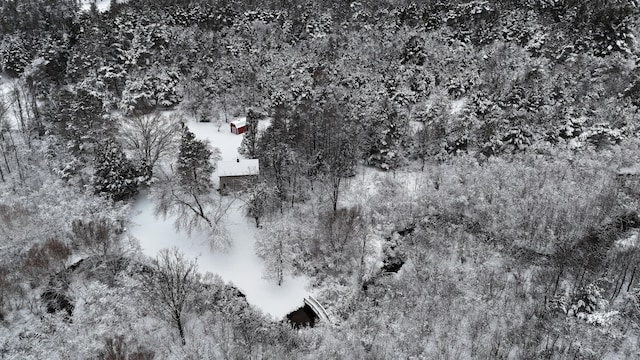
(239, 123)
(238, 167)
(457, 105)
(102, 5)
(220, 136)
(239, 265)
(6, 87)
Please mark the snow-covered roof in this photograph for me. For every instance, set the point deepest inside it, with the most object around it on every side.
(239, 123)
(243, 167)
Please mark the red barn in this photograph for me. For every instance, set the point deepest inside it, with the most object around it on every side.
(238, 126)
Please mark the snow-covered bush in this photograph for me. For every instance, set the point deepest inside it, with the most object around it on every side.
(588, 305)
(515, 140)
(603, 318)
(587, 301)
(601, 135)
(572, 128)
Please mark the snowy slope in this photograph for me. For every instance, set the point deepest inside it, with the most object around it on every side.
(239, 265)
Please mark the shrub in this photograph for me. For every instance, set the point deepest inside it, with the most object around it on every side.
(586, 301)
(42, 259)
(95, 236)
(115, 348)
(601, 135)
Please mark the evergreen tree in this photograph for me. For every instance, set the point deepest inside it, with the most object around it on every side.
(188, 193)
(115, 175)
(194, 166)
(76, 118)
(15, 54)
(248, 147)
(386, 138)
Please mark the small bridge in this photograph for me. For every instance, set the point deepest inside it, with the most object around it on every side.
(317, 308)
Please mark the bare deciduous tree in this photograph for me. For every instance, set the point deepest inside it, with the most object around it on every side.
(150, 136)
(96, 237)
(171, 286)
(274, 247)
(191, 211)
(187, 192)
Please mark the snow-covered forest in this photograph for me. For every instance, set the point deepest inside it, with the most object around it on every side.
(448, 179)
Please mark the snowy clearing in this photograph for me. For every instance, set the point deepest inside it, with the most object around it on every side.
(240, 265)
(221, 137)
(102, 5)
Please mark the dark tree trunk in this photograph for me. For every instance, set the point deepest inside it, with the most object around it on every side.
(633, 273)
(181, 331)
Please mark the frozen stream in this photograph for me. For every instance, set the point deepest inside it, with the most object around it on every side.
(240, 265)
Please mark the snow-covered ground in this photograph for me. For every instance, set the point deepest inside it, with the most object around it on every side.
(9, 113)
(240, 265)
(102, 5)
(221, 137)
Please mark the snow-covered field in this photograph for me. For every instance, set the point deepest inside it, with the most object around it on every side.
(240, 265)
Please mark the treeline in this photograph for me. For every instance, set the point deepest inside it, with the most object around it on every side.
(378, 83)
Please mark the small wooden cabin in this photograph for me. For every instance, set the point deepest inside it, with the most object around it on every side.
(237, 175)
(238, 126)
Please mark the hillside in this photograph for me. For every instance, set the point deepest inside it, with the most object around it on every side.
(453, 179)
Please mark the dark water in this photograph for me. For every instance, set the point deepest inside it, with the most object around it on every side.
(302, 317)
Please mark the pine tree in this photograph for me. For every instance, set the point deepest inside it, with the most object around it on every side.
(188, 193)
(115, 175)
(248, 148)
(76, 118)
(387, 137)
(194, 168)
